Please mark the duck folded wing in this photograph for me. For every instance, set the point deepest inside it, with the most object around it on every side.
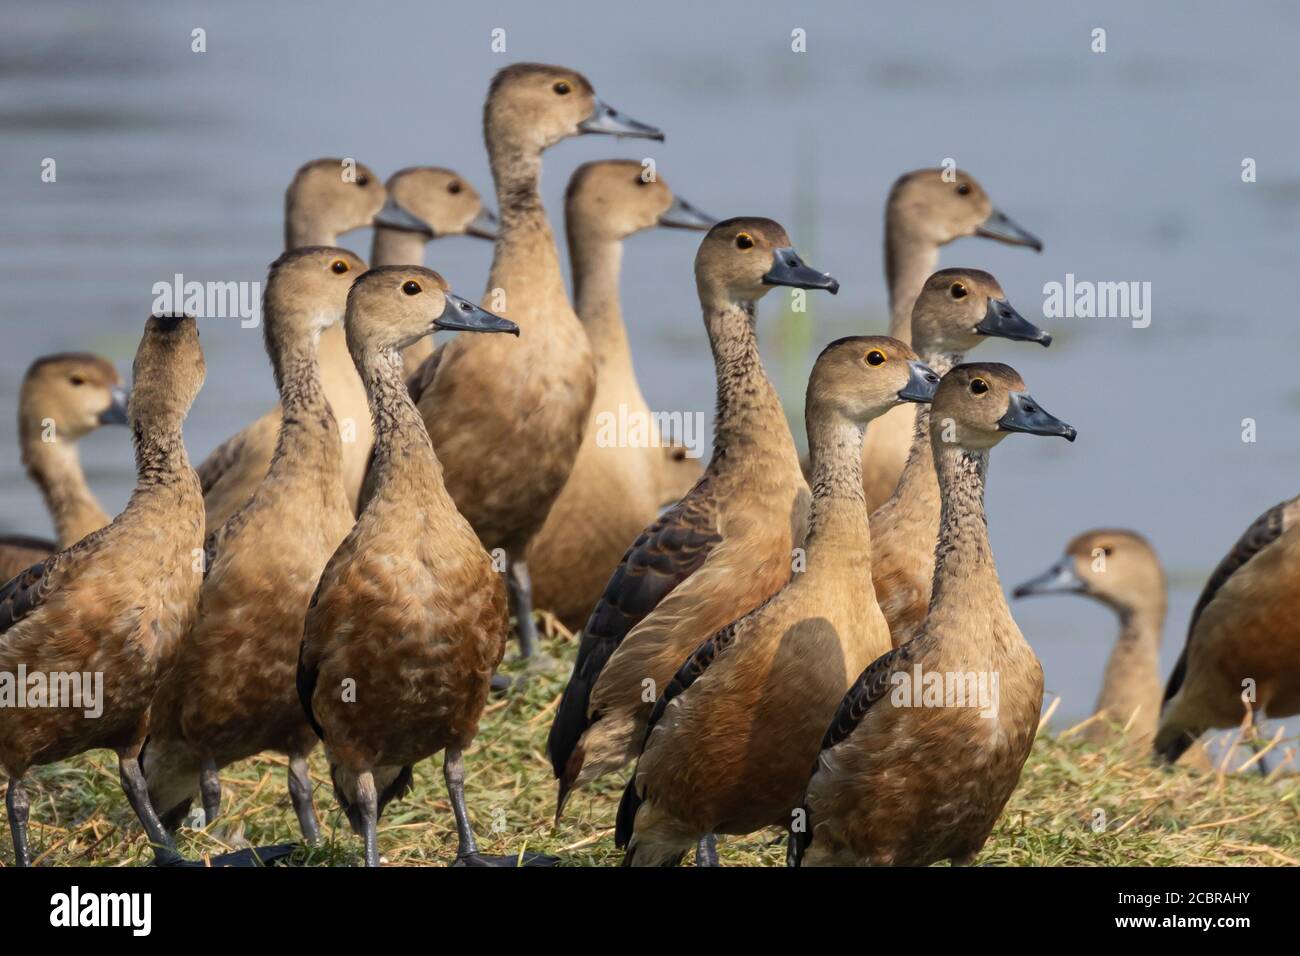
(665, 555)
(870, 687)
(27, 592)
(18, 552)
(220, 460)
(1266, 529)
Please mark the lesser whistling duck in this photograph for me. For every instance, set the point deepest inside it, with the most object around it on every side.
(118, 603)
(1243, 642)
(730, 740)
(614, 491)
(409, 619)
(721, 551)
(927, 745)
(521, 406)
(327, 197)
(426, 203)
(954, 312)
(62, 399)
(926, 209)
(231, 694)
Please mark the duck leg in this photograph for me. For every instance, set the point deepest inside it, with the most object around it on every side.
(300, 794)
(137, 793)
(706, 852)
(368, 805)
(17, 805)
(519, 587)
(210, 789)
(467, 854)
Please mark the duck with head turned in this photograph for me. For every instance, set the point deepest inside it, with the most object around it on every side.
(426, 203)
(409, 615)
(721, 551)
(522, 406)
(231, 694)
(116, 604)
(730, 740)
(63, 398)
(614, 490)
(927, 745)
(955, 311)
(926, 210)
(326, 198)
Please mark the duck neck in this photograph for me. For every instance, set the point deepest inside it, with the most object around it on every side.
(748, 410)
(309, 438)
(160, 460)
(525, 245)
(839, 524)
(303, 227)
(909, 261)
(55, 466)
(1132, 678)
(402, 445)
(397, 247)
(919, 481)
(597, 265)
(965, 576)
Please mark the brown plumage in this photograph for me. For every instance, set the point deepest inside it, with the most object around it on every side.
(926, 748)
(520, 406)
(409, 619)
(731, 738)
(62, 399)
(231, 694)
(1244, 637)
(325, 199)
(615, 490)
(426, 203)
(724, 549)
(117, 603)
(955, 311)
(925, 211)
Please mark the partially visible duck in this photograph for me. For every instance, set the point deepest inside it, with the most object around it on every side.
(928, 744)
(614, 491)
(426, 203)
(327, 198)
(955, 311)
(521, 406)
(721, 551)
(117, 603)
(1243, 639)
(926, 209)
(262, 566)
(409, 619)
(730, 740)
(63, 398)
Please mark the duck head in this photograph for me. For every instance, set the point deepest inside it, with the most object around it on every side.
(926, 205)
(75, 391)
(306, 293)
(863, 376)
(329, 197)
(167, 374)
(433, 202)
(744, 258)
(614, 198)
(979, 404)
(958, 308)
(1116, 566)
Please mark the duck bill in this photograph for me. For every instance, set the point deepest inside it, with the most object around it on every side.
(461, 315)
(999, 226)
(1003, 321)
(789, 269)
(921, 384)
(115, 414)
(605, 119)
(393, 216)
(1026, 415)
(1060, 578)
(484, 225)
(682, 215)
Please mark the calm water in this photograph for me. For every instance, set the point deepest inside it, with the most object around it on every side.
(1127, 164)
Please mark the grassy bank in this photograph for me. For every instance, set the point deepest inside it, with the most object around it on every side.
(1076, 805)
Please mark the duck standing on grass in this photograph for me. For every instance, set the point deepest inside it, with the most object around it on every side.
(928, 744)
(730, 740)
(409, 619)
(231, 694)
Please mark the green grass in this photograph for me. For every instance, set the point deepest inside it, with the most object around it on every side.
(1149, 816)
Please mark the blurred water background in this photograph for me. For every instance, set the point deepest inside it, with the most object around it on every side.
(1126, 163)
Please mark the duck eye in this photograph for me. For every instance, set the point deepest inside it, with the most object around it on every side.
(411, 287)
(453, 188)
(338, 266)
(363, 180)
(744, 241)
(963, 189)
(77, 380)
(561, 87)
(958, 290)
(978, 386)
(1106, 550)
(875, 357)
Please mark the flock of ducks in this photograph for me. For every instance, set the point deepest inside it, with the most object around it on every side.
(745, 628)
